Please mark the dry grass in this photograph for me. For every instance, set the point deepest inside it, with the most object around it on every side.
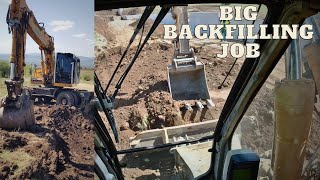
(19, 158)
(86, 76)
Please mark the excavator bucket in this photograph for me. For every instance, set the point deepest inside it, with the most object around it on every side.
(187, 80)
(17, 118)
(186, 75)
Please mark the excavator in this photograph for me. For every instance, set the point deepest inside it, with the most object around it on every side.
(186, 74)
(58, 72)
(213, 156)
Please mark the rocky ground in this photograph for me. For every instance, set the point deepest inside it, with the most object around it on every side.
(59, 146)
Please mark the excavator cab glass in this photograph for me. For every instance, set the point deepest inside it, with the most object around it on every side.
(67, 68)
(208, 144)
(160, 151)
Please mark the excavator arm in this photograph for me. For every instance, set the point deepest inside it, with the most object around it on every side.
(16, 109)
(46, 45)
(182, 46)
(21, 21)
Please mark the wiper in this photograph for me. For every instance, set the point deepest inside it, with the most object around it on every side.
(106, 105)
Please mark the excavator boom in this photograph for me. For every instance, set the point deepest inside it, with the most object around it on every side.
(21, 21)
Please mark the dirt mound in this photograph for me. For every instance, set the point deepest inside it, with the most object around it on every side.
(144, 101)
(102, 27)
(159, 32)
(12, 142)
(60, 146)
(157, 110)
(162, 110)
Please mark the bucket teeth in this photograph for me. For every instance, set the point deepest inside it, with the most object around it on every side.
(199, 105)
(187, 107)
(210, 104)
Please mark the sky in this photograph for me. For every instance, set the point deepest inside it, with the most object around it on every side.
(70, 22)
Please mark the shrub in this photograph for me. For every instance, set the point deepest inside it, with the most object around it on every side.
(4, 69)
(87, 77)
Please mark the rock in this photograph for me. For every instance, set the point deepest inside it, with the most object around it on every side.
(163, 47)
(267, 154)
(39, 117)
(142, 81)
(38, 145)
(138, 119)
(124, 18)
(124, 127)
(265, 167)
(140, 88)
(162, 118)
(153, 38)
(110, 18)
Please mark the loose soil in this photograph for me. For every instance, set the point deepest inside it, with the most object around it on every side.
(59, 146)
(144, 101)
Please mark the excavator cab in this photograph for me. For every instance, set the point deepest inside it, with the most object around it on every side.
(36, 75)
(67, 69)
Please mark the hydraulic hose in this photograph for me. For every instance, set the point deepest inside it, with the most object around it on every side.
(159, 18)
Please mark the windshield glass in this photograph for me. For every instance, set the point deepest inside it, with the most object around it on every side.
(64, 68)
(256, 130)
(154, 107)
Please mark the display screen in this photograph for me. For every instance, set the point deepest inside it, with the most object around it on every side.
(240, 174)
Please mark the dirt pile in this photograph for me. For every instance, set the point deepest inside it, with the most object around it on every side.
(11, 142)
(102, 27)
(157, 111)
(60, 146)
(158, 33)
